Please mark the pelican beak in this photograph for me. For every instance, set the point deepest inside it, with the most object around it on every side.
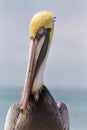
(38, 49)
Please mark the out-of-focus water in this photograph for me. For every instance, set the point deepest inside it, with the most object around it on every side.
(76, 101)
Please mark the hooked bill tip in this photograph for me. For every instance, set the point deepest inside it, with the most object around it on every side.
(22, 110)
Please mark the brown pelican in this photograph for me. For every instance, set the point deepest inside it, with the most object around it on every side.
(37, 109)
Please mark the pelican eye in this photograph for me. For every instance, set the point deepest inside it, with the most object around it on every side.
(42, 32)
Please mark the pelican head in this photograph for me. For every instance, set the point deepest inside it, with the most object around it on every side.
(41, 31)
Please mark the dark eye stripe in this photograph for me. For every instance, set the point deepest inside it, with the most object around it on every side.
(41, 32)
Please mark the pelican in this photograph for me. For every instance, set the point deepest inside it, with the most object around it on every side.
(37, 109)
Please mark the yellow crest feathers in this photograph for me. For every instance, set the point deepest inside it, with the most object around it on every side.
(41, 19)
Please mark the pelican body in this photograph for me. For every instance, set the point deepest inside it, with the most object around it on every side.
(37, 109)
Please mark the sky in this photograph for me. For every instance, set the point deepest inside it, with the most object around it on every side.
(67, 62)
